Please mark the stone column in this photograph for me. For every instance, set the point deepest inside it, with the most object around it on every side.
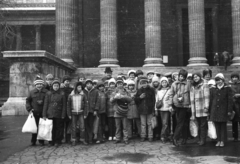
(196, 33)
(18, 38)
(236, 32)
(38, 37)
(153, 33)
(108, 33)
(65, 29)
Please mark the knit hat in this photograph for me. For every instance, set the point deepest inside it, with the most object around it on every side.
(150, 72)
(112, 80)
(107, 70)
(174, 73)
(38, 80)
(211, 82)
(155, 79)
(88, 80)
(49, 77)
(131, 72)
(234, 74)
(164, 79)
(139, 72)
(143, 78)
(66, 77)
(100, 84)
(183, 72)
(130, 82)
(198, 74)
(220, 76)
(95, 82)
(207, 71)
(56, 80)
(119, 79)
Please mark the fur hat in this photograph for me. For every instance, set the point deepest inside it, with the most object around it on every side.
(183, 72)
(164, 79)
(155, 78)
(139, 72)
(88, 80)
(220, 76)
(49, 77)
(112, 80)
(38, 80)
(56, 80)
(235, 74)
(207, 71)
(131, 71)
(130, 82)
(66, 77)
(143, 78)
(108, 69)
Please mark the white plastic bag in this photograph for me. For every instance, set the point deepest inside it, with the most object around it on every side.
(45, 130)
(193, 128)
(212, 130)
(30, 125)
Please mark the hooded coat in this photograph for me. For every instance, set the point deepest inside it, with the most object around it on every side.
(236, 101)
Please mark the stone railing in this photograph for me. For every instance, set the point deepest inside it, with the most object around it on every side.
(24, 66)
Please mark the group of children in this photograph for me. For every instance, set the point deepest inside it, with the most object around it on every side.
(117, 108)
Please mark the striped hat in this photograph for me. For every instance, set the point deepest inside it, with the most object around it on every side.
(38, 80)
(56, 80)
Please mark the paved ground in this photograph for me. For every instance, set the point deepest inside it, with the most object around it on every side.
(15, 149)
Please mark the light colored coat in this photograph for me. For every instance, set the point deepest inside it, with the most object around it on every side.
(165, 99)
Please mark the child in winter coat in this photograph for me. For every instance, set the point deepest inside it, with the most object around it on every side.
(145, 100)
(34, 104)
(221, 101)
(164, 109)
(55, 109)
(76, 106)
(101, 112)
(110, 110)
(133, 115)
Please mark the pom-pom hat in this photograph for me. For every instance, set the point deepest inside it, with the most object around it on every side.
(38, 80)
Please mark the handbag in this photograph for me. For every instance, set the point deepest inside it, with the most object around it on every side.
(193, 125)
(45, 129)
(212, 130)
(159, 103)
(154, 122)
(30, 125)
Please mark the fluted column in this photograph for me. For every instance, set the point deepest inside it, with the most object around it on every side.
(236, 31)
(18, 38)
(153, 33)
(197, 33)
(66, 29)
(108, 33)
(38, 37)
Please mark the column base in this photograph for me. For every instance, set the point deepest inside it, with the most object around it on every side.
(153, 62)
(69, 61)
(108, 62)
(197, 61)
(236, 61)
(14, 106)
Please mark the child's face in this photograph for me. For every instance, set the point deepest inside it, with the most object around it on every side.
(109, 74)
(150, 76)
(55, 86)
(49, 81)
(155, 83)
(164, 84)
(131, 87)
(132, 76)
(39, 86)
(207, 76)
(120, 85)
(219, 81)
(67, 83)
(181, 78)
(81, 79)
(101, 88)
(144, 84)
(112, 85)
(140, 75)
(235, 79)
(79, 88)
(89, 85)
(196, 78)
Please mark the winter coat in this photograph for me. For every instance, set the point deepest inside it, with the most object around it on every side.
(67, 91)
(236, 101)
(54, 105)
(132, 107)
(92, 100)
(180, 89)
(35, 100)
(110, 110)
(77, 104)
(146, 105)
(102, 102)
(200, 99)
(120, 104)
(220, 103)
(163, 92)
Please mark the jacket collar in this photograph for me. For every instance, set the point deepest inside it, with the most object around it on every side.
(182, 82)
(89, 90)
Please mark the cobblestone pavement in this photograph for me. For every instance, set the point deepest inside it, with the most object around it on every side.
(135, 152)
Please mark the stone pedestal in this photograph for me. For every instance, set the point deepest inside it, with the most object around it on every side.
(236, 32)
(197, 33)
(108, 33)
(153, 33)
(24, 67)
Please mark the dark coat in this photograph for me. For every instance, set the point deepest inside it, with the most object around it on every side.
(236, 101)
(102, 102)
(67, 91)
(147, 104)
(54, 105)
(221, 101)
(92, 100)
(35, 100)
